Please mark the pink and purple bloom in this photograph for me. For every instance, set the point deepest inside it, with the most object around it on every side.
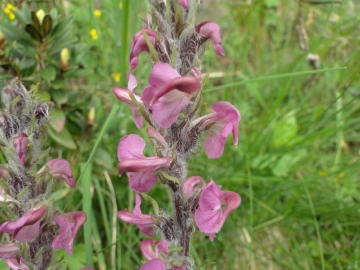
(142, 221)
(69, 225)
(139, 169)
(139, 45)
(192, 185)
(27, 227)
(210, 217)
(211, 31)
(61, 168)
(154, 264)
(226, 118)
(9, 251)
(123, 94)
(169, 93)
(149, 252)
(21, 144)
(16, 264)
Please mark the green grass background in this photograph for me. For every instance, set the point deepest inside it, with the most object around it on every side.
(297, 162)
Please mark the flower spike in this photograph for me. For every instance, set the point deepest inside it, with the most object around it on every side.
(211, 30)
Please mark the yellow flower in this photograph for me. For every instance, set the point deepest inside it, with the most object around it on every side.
(11, 16)
(97, 13)
(91, 116)
(323, 173)
(40, 15)
(94, 34)
(341, 175)
(10, 7)
(120, 5)
(116, 76)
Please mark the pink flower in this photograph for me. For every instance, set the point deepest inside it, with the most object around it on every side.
(226, 118)
(139, 45)
(212, 31)
(124, 95)
(60, 167)
(21, 144)
(168, 93)
(139, 168)
(209, 217)
(9, 251)
(16, 264)
(27, 227)
(192, 185)
(143, 222)
(184, 3)
(150, 253)
(154, 264)
(69, 225)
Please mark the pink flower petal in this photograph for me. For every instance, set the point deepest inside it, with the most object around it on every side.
(139, 168)
(17, 264)
(60, 167)
(143, 222)
(9, 251)
(25, 228)
(168, 93)
(192, 184)
(184, 3)
(209, 217)
(154, 264)
(211, 30)
(139, 45)
(150, 253)
(69, 225)
(21, 144)
(226, 118)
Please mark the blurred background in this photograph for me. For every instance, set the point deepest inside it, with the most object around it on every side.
(291, 68)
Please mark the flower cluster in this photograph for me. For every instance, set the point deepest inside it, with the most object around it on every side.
(170, 105)
(35, 227)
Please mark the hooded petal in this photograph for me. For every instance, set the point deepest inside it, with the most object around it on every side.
(226, 118)
(168, 93)
(184, 3)
(154, 264)
(192, 184)
(143, 222)
(60, 167)
(209, 217)
(9, 251)
(21, 144)
(139, 45)
(211, 31)
(149, 252)
(16, 264)
(138, 167)
(25, 228)
(69, 225)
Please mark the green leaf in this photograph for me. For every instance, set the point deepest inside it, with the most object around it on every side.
(13, 33)
(78, 73)
(103, 158)
(285, 130)
(60, 44)
(59, 96)
(62, 28)
(27, 66)
(287, 162)
(75, 261)
(48, 73)
(58, 120)
(46, 26)
(35, 21)
(33, 32)
(64, 137)
(60, 194)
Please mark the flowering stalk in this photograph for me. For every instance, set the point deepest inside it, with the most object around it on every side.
(25, 190)
(170, 105)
